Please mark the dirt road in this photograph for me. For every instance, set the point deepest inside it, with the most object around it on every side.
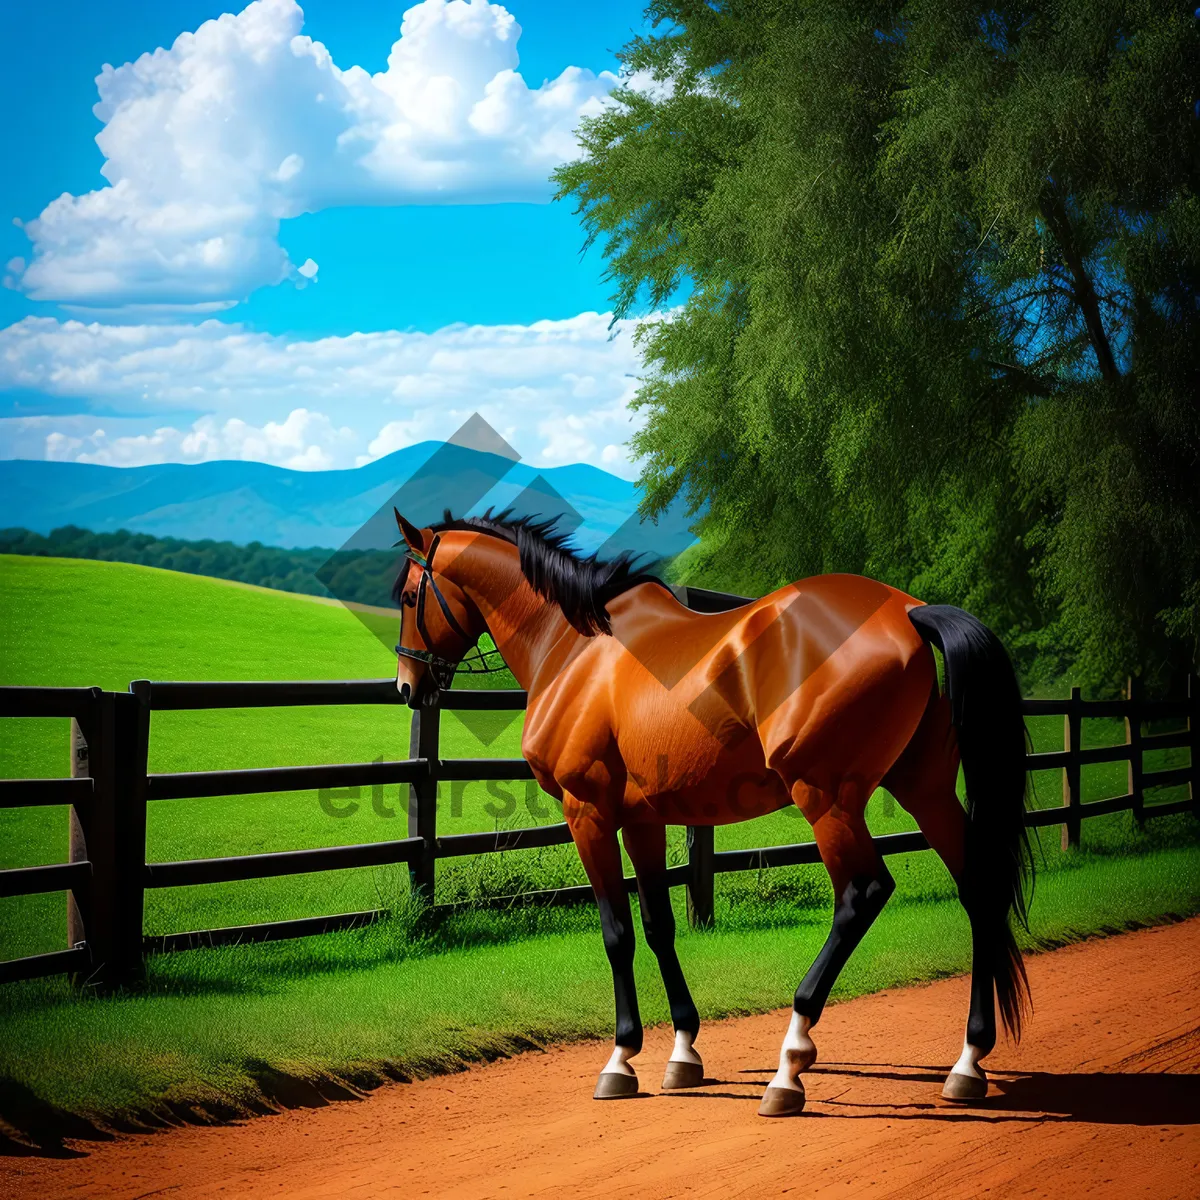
(1101, 1099)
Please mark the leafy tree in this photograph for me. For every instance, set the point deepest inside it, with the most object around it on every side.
(940, 263)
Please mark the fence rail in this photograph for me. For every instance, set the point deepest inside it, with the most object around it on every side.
(110, 788)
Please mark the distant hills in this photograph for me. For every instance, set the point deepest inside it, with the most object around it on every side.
(243, 502)
(363, 578)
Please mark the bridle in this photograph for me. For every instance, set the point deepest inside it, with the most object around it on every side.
(442, 669)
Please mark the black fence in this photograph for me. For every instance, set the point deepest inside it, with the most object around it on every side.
(110, 788)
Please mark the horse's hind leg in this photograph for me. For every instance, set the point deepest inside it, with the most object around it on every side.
(923, 781)
(646, 845)
(861, 887)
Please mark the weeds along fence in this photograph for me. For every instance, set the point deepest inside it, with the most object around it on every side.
(110, 788)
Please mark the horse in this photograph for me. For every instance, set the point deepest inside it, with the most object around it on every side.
(643, 713)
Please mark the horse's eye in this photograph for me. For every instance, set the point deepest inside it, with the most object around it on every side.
(410, 599)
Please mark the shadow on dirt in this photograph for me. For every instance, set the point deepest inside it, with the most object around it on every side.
(1099, 1097)
(1095, 1098)
(31, 1126)
(1103, 1099)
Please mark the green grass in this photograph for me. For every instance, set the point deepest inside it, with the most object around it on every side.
(405, 996)
(79, 623)
(223, 1030)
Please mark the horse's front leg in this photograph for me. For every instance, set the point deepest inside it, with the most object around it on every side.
(646, 845)
(596, 840)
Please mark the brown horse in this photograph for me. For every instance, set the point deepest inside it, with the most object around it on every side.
(643, 713)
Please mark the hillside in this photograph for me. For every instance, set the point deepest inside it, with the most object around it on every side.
(363, 578)
(77, 623)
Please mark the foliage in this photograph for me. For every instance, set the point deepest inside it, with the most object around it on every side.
(940, 327)
(356, 576)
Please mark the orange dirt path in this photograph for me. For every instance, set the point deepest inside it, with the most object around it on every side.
(1101, 1099)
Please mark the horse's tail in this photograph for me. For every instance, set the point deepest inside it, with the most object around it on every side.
(985, 702)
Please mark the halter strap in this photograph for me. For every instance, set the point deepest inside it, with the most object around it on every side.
(443, 669)
(425, 562)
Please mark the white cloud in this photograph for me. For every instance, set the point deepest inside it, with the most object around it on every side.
(556, 390)
(247, 122)
(304, 441)
(395, 435)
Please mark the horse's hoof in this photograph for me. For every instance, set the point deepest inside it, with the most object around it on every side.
(612, 1085)
(682, 1075)
(963, 1089)
(782, 1102)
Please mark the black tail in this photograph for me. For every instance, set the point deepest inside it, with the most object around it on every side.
(985, 702)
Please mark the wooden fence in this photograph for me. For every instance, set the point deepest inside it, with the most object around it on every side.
(110, 788)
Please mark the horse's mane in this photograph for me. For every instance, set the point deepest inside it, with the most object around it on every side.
(580, 585)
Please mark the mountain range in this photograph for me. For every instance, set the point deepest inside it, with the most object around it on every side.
(245, 502)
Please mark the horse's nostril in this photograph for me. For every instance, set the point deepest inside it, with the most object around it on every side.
(404, 690)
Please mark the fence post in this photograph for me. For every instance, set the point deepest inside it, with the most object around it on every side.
(1071, 744)
(1194, 740)
(78, 922)
(1133, 735)
(131, 741)
(102, 832)
(700, 844)
(424, 742)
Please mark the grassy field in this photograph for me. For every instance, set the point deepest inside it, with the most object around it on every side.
(216, 1026)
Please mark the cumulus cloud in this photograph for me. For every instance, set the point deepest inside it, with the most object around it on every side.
(304, 441)
(556, 390)
(247, 121)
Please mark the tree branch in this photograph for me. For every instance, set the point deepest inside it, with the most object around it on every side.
(1084, 293)
(1035, 384)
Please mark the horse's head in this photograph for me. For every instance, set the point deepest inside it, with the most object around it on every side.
(438, 624)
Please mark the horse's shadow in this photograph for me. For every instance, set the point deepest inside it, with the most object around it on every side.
(1091, 1097)
(1104, 1099)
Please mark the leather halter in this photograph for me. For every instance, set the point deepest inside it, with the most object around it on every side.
(442, 669)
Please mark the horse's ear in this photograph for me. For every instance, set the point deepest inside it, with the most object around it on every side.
(409, 532)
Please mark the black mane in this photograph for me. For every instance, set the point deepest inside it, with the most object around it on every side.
(581, 586)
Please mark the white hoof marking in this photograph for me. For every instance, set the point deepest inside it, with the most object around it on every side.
(798, 1053)
(618, 1064)
(684, 1052)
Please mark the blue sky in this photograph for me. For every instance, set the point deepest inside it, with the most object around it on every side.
(294, 261)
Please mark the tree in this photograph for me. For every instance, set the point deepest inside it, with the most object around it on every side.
(940, 320)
